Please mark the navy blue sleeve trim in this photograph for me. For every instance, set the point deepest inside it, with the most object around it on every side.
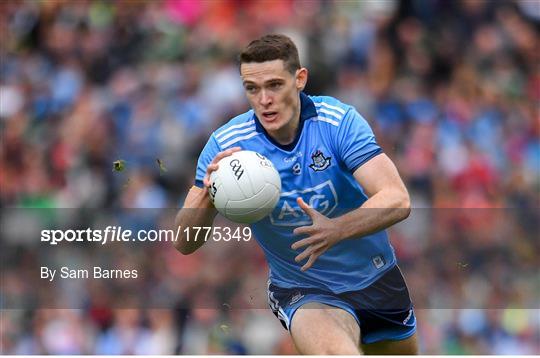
(199, 183)
(358, 162)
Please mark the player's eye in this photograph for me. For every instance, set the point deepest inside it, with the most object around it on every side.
(250, 89)
(275, 85)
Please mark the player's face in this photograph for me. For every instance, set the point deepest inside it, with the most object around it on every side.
(273, 93)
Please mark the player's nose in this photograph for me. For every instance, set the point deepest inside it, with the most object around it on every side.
(265, 99)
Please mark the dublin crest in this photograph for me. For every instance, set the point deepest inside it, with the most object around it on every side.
(320, 162)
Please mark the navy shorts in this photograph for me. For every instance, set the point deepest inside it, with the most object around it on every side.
(383, 310)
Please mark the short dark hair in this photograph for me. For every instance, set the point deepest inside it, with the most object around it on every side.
(272, 47)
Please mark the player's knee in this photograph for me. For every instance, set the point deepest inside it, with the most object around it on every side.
(337, 349)
(340, 351)
(335, 346)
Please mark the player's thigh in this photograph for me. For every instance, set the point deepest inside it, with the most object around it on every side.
(317, 328)
(406, 346)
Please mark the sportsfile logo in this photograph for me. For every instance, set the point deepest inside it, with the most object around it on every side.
(322, 197)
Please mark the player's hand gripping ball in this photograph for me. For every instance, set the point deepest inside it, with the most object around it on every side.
(246, 187)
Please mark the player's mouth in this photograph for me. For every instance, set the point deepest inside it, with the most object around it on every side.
(269, 116)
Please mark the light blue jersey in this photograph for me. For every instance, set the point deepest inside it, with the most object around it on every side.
(332, 142)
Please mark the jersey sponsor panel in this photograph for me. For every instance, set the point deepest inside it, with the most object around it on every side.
(322, 197)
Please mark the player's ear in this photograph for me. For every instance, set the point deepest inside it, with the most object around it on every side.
(301, 78)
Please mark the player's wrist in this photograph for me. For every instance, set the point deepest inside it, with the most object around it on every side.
(340, 226)
(208, 201)
(204, 200)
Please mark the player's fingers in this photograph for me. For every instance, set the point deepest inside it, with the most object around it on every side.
(218, 157)
(301, 243)
(225, 153)
(211, 167)
(307, 209)
(303, 255)
(303, 230)
(309, 251)
(311, 260)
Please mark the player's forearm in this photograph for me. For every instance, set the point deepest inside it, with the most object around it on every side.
(198, 211)
(379, 212)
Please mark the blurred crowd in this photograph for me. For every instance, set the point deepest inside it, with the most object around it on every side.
(451, 88)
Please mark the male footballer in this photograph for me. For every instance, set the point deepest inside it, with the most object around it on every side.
(334, 282)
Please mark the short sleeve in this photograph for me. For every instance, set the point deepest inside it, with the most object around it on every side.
(355, 141)
(210, 150)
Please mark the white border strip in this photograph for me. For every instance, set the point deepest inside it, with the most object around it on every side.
(330, 113)
(327, 120)
(231, 134)
(238, 139)
(324, 104)
(241, 125)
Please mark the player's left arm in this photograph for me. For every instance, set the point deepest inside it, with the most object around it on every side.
(388, 200)
(388, 203)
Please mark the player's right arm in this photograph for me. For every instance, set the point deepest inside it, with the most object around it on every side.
(198, 210)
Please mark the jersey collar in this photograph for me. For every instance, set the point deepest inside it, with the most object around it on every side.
(307, 110)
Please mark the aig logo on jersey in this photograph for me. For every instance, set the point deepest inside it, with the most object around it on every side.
(320, 162)
(322, 197)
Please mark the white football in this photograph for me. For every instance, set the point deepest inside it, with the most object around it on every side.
(246, 187)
